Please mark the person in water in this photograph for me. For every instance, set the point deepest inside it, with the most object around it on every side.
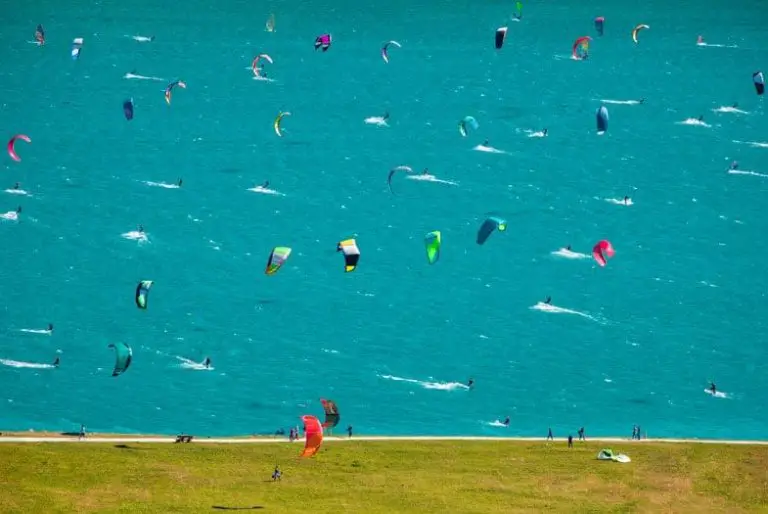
(386, 116)
(568, 248)
(471, 383)
(50, 327)
(641, 101)
(735, 165)
(506, 421)
(262, 71)
(56, 362)
(16, 185)
(626, 200)
(485, 143)
(265, 185)
(701, 117)
(713, 388)
(544, 132)
(207, 362)
(425, 171)
(735, 105)
(18, 209)
(180, 182)
(548, 300)
(141, 229)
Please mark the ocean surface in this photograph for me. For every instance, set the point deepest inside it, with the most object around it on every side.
(682, 302)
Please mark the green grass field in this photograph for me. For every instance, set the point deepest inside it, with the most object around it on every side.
(376, 477)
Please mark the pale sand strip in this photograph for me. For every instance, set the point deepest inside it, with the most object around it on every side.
(124, 439)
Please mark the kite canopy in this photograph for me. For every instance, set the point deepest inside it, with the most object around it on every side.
(501, 35)
(123, 356)
(580, 47)
(488, 226)
(169, 89)
(142, 292)
(599, 23)
(313, 431)
(128, 109)
(432, 242)
(392, 172)
(77, 45)
(276, 259)
(271, 23)
(332, 416)
(351, 254)
(385, 49)
(467, 121)
(637, 29)
(255, 64)
(601, 250)
(759, 79)
(323, 42)
(12, 143)
(277, 124)
(40, 35)
(602, 119)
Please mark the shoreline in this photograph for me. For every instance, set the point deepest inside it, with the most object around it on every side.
(59, 437)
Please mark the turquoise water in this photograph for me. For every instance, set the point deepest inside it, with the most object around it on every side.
(682, 302)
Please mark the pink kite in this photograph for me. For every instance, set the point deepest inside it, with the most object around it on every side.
(11, 150)
(602, 250)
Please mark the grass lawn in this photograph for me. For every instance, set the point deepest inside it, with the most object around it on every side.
(363, 477)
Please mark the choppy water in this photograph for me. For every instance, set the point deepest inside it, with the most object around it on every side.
(682, 302)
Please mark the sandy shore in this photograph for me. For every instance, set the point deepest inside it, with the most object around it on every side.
(56, 437)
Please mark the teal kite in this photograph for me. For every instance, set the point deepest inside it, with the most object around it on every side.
(142, 290)
(123, 356)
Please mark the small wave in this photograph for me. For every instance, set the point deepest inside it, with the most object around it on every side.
(135, 235)
(190, 364)
(753, 144)
(17, 192)
(715, 45)
(746, 172)
(22, 364)
(620, 102)
(569, 254)
(496, 423)
(261, 78)
(265, 191)
(44, 331)
(535, 133)
(10, 216)
(441, 386)
(694, 122)
(141, 39)
(376, 120)
(162, 184)
(546, 307)
(730, 109)
(717, 394)
(488, 149)
(620, 201)
(134, 76)
(425, 177)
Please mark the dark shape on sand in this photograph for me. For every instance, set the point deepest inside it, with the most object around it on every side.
(222, 507)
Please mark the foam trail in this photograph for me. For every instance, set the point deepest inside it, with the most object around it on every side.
(162, 184)
(190, 364)
(753, 144)
(441, 386)
(22, 364)
(745, 172)
(694, 122)
(554, 309)
(17, 192)
(620, 102)
(134, 76)
(730, 109)
(620, 201)
(265, 191)
(718, 394)
(44, 331)
(379, 121)
(569, 254)
(425, 177)
(135, 235)
(488, 149)
(496, 423)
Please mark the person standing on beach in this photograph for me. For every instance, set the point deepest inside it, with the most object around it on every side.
(570, 441)
(582, 437)
(82, 432)
(638, 432)
(634, 432)
(349, 431)
(550, 437)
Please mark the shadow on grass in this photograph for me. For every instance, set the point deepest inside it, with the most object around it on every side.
(222, 507)
(126, 447)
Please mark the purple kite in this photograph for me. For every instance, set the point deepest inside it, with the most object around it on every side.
(323, 42)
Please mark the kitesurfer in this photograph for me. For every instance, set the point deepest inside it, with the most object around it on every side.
(56, 362)
(180, 182)
(265, 185)
(471, 383)
(626, 200)
(548, 300)
(735, 105)
(568, 248)
(386, 116)
(141, 229)
(207, 362)
(713, 388)
(425, 172)
(50, 327)
(485, 143)
(701, 117)
(16, 185)
(506, 421)
(18, 209)
(735, 165)
(544, 132)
